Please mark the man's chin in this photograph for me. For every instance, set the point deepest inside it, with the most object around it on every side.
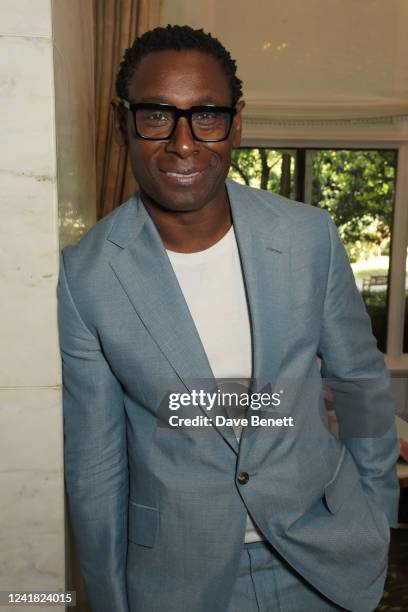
(185, 207)
(179, 202)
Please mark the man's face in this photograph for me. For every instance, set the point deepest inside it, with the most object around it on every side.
(183, 79)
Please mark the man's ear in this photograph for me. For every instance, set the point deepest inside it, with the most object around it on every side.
(237, 128)
(120, 123)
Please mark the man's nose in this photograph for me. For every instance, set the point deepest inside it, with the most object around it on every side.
(182, 142)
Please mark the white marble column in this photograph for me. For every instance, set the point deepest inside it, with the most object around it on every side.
(39, 82)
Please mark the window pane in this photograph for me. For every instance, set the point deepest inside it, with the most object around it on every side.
(265, 169)
(358, 189)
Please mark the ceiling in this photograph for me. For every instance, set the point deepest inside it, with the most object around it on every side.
(310, 59)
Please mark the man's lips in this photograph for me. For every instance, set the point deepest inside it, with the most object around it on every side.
(185, 176)
(182, 172)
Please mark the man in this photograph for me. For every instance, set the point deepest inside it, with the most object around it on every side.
(197, 278)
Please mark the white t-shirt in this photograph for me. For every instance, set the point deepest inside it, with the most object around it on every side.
(213, 287)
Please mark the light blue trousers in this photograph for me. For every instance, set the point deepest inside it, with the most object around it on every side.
(266, 583)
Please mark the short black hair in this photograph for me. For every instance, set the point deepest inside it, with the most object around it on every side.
(175, 37)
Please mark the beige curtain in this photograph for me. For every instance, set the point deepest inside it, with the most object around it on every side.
(117, 23)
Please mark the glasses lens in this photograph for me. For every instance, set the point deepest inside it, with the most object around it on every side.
(211, 125)
(154, 123)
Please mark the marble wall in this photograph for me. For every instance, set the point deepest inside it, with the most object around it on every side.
(32, 519)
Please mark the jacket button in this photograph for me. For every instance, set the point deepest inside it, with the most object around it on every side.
(243, 477)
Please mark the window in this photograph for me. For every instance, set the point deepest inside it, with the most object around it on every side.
(265, 169)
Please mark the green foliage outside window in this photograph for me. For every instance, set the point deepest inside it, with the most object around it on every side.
(265, 169)
(357, 188)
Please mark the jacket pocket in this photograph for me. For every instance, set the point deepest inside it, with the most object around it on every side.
(143, 524)
(343, 481)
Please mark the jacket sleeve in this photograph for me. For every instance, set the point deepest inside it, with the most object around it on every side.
(354, 369)
(95, 457)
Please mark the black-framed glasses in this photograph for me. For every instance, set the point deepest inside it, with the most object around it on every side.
(159, 121)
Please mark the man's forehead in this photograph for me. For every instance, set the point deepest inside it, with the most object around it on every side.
(164, 99)
(162, 76)
(179, 60)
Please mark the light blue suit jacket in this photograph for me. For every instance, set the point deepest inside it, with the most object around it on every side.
(158, 513)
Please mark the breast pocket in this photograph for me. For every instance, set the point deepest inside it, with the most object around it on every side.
(143, 524)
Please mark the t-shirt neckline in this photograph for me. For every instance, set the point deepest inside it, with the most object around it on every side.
(214, 249)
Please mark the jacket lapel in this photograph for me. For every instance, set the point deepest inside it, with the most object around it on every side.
(265, 264)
